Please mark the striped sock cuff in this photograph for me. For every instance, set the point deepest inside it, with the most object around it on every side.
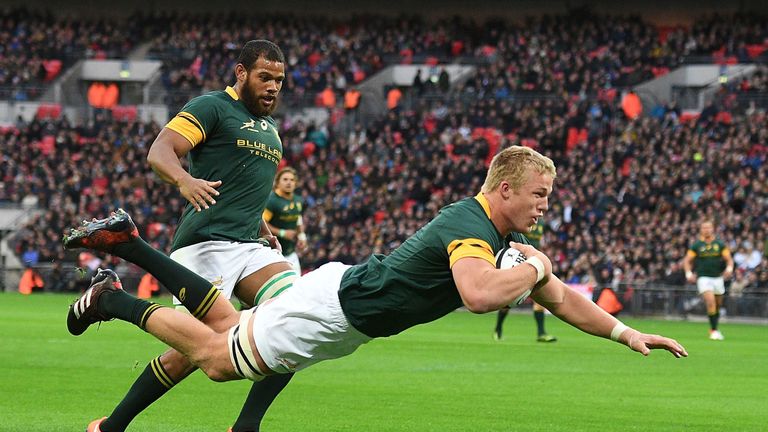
(205, 305)
(275, 285)
(146, 314)
(160, 373)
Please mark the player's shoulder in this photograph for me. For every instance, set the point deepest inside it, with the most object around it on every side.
(215, 95)
(273, 197)
(465, 217)
(206, 102)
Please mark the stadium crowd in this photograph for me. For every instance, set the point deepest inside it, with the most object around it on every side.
(629, 191)
(35, 47)
(577, 52)
(626, 205)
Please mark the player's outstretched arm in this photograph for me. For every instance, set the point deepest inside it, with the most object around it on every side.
(644, 343)
(573, 308)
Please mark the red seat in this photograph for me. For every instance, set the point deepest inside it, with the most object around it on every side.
(48, 111)
(687, 116)
(52, 68)
(125, 113)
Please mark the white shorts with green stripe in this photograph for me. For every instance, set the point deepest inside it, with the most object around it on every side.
(225, 263)
(305, 325)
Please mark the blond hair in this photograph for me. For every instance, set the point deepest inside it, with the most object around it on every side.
(511, 165)
(280, 174)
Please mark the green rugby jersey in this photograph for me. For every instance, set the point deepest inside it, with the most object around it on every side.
(388, 294)
(536, 233)
(708, 257)
(232, 145)
(284, 213)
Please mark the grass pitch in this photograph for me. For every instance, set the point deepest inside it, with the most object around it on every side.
(445, 376)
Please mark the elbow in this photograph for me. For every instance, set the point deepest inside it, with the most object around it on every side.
(152, 158)
(478, 304)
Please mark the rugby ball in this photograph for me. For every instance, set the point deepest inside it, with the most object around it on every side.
(510, 257)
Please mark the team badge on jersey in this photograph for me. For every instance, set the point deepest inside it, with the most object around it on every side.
(250, 125)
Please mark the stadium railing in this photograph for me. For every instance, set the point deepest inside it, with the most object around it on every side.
(639, 299)
(654, 299)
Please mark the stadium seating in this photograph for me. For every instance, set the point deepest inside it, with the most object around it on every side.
(628, 191)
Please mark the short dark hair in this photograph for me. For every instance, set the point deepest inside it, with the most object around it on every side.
(254, 49)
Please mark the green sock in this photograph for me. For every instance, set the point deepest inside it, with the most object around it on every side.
(713, 319)
(259, 399)
(121, 305)
(539, 317)
(152, 384)
(194, 292)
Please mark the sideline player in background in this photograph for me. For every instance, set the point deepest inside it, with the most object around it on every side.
(707, 262)
(234, 149)
(534, 237)
(283, 216)
(334, 309)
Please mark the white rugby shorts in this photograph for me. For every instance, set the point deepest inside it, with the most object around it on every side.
(305, 324)
(225, 263)
(293, 258)
(714, 284)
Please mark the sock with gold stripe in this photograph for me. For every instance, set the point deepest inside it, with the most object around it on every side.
(121, 305)
(194, 292)
(150, 386)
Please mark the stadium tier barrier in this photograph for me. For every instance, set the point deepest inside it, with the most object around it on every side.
(638, 299)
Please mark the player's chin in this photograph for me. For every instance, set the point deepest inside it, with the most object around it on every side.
(267, 106)
(524, 227)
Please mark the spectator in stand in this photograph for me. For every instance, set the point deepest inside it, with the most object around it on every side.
(623, 180)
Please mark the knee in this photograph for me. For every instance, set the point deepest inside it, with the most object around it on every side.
(176, 364)
(214, 360)
(214, 373)
(217, 368)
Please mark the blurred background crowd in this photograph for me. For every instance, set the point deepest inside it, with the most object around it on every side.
(630, 189)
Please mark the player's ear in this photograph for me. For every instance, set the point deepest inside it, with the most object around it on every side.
(240, 72)
(505, 189)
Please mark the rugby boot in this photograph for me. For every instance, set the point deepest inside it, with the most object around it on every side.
(84, 311)
(94, 426)
(103, 234)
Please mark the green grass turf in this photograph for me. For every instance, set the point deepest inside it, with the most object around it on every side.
(445, 376)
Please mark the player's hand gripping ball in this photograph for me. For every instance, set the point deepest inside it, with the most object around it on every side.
(510, 257)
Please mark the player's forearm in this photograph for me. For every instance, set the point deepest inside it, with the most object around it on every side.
(166, 164)
(301, 235)
(287, 234)
(495, 289)
(729, 263)
(581, 313)
(687, 264)
(273, 229)
(688, 267)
